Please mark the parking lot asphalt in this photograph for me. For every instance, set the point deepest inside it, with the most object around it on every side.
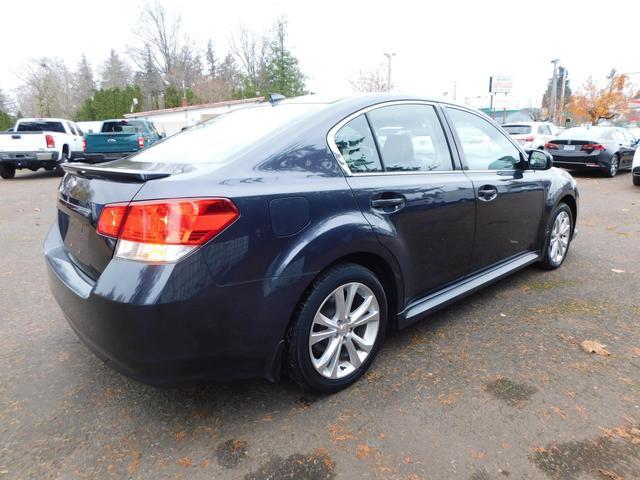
(496, 386)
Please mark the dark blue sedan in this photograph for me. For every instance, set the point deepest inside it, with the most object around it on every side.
(290, 236)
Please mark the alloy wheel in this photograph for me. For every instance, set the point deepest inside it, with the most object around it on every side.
(613, 167)
(344, 330)
(560, 233)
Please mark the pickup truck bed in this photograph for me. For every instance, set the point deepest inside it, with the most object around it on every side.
(117, 139)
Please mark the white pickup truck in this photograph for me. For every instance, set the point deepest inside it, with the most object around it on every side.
(35, 143)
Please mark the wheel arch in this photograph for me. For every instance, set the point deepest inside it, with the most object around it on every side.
(570, 201)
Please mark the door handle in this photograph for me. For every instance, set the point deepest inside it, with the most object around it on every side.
(388, 205)
(486, 193)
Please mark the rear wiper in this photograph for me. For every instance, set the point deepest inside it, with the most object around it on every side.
(89, 171)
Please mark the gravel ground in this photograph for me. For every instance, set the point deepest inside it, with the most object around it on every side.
(494, 387)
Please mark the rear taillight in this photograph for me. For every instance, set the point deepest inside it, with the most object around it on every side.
(551, 146)
(592, 146)
(111, 219)
(165, 230)
(141, 142)
(51, 143)
(529, 138)
(84, 144)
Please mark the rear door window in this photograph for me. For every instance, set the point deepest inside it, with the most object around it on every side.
(544, 130)
(357, 146)
(410, 139)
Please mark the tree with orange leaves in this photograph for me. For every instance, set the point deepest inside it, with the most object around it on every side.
(593, 103)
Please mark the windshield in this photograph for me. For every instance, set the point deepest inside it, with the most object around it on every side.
(219, 139)
(40, 126)
(517, 129)
(584, 133)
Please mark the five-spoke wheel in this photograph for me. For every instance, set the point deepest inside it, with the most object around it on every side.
(338, 329)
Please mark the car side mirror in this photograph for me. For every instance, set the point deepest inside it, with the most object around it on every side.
(540, 160)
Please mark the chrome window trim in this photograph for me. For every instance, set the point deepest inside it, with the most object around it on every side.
(343, 163)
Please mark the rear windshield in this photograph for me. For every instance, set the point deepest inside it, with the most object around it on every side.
(217, 140)
(585, 133)
(517, 129)
(127, 126)
(40, 126)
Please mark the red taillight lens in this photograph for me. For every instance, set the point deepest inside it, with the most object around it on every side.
(84, 144)
(530, 139)
(111, 219)
(178, 222)
(551, 146)
(50, 141)
(141, 142)
(165, 230)
(592, 146)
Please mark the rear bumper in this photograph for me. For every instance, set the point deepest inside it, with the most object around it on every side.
(170, 324)
(31, 160)
(582, 162)
(98, 157)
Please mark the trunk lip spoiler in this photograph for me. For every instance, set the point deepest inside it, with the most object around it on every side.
(86, 170)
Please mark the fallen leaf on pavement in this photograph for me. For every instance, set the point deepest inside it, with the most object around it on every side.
(609, 474)
(590, 346)
(363, 451)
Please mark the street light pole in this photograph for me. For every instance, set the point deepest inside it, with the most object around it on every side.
(554, 90)
(389, 55)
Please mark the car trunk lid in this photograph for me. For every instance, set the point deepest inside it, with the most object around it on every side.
(82, 195)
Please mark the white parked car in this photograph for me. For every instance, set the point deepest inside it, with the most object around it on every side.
(36, 143)
(532, 135)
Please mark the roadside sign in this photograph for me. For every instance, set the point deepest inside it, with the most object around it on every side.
(500, 84)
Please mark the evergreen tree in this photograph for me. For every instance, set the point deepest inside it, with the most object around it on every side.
(212, 61)
(83, 82)
(110, 103)
(282, 72)
(151, 83)
(173, 97)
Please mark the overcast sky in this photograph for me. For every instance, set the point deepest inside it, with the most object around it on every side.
(437, 44)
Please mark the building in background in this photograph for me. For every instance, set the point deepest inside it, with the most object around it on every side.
(172, 120)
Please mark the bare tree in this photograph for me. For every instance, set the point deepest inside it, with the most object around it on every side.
(251, 50)
(115, 72)
(162, 40)
(374, 80)
(47, 89)
(4, 102)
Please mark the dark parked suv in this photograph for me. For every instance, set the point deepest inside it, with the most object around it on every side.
(293, 235)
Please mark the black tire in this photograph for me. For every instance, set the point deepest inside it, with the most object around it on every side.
(300, 365)
(63, 160)
(547, 262)
(7, 171)
(614, 166)
(636, 179)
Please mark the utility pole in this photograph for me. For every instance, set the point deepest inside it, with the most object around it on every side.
(389, 55)
(562, 82)
(554, 90)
